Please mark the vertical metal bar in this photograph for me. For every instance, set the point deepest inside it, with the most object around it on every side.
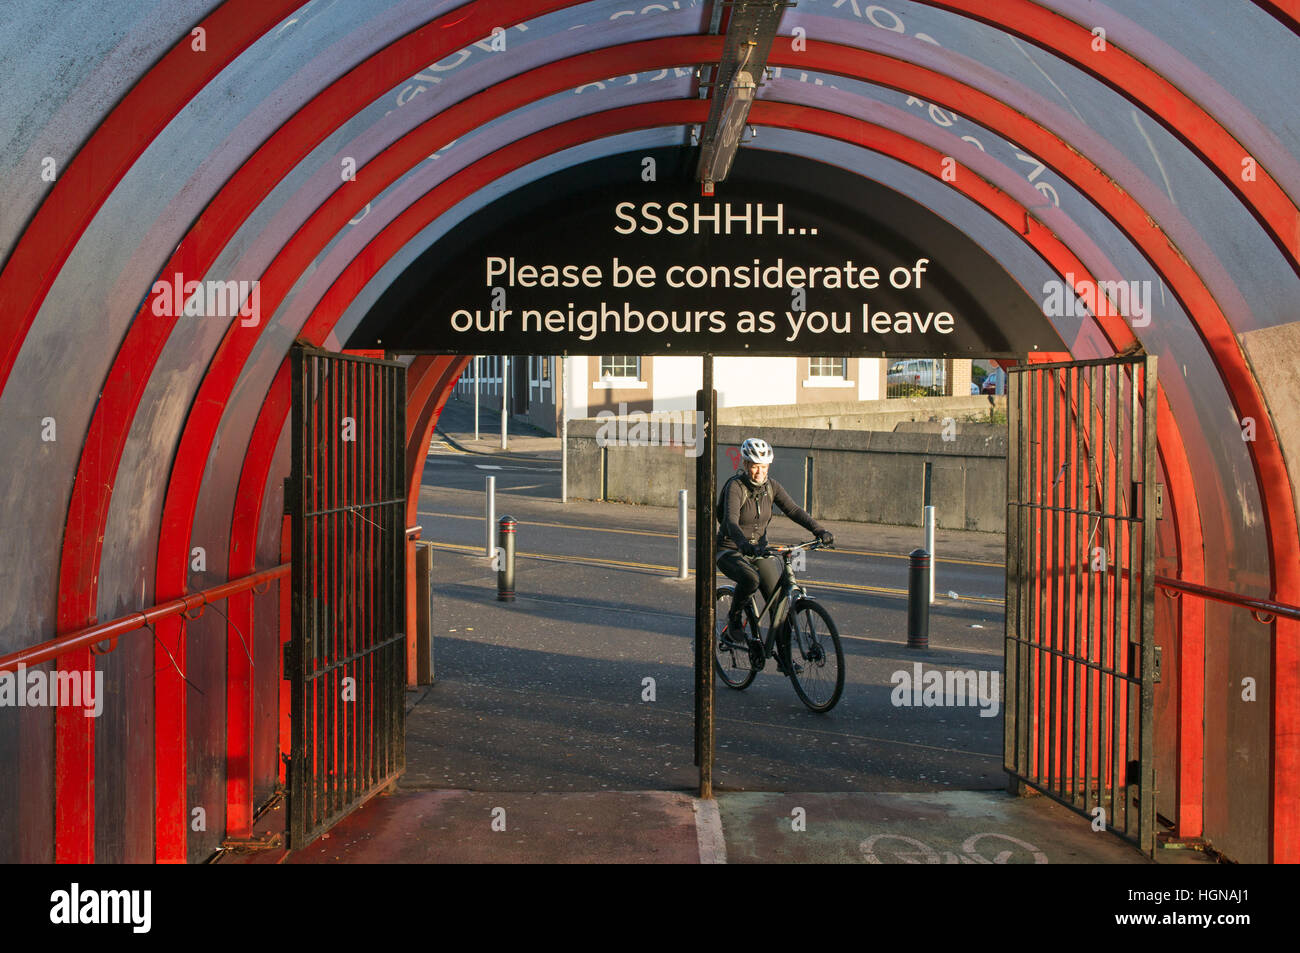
(705, 466)
(1103, 589)
(397, 433)
(311, 552)
(1088, 576)
(394, 652)
(1011, 621)
(331, 435)
(374, 710)
(1116, 617)
(1079, 568)
(358, 637)
(1132, 684)
(1043, 662)
(1060, 583)
(394, 568)
(476, 379)
(505, 394)
(1146, 748)
(366, 664)
(294, 504)
(1053, 581)
(683, 557)
(332, 680)
(374, 556)
(377, 666)
(490, 516)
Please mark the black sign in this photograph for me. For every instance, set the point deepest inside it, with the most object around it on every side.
(624, 256)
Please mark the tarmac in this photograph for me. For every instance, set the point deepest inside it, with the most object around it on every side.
(432, 815)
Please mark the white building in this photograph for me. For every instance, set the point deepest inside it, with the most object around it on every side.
(593, 384)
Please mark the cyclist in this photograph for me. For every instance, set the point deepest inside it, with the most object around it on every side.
(744, 510)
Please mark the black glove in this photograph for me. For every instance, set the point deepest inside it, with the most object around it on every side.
(749, 549)
(825, 538)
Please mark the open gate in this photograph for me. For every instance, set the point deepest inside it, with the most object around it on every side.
(347, 652)
(1080, 650)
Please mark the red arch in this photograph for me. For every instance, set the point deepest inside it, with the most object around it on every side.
(1078, 269)
(1007, 210)
(104, 159)
(807, 61)
(1150, 91)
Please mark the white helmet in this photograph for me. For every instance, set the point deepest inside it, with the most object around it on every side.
(755, 450)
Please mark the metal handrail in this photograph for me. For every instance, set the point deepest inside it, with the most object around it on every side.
(105, 631)
(1256, 606)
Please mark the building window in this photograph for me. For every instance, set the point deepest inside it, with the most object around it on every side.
(546, 368)
(827, 367)
(622, 366)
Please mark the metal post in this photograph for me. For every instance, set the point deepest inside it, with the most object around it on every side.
(925, 487)
(564, 460)
(683, 568)
(506, 568)
(491, 511)
(424, 614)
(706, 404)
(560, 383)
(918, 610)
(505, 394)
(928, 522)
(476, 380)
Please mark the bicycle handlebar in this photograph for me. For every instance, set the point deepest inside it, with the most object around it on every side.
(781, 549)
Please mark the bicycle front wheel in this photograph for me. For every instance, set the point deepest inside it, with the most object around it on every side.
(730, 653)
(816, 660)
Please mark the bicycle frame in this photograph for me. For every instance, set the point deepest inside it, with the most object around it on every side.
(787, 592)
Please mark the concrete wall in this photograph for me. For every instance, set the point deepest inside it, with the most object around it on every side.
(871, 476)
(864, 415)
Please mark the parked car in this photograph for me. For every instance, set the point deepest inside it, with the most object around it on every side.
(919, 373)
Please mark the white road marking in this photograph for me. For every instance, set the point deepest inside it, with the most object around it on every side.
(485, 466)
(708, 832)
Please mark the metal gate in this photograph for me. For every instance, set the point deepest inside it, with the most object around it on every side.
(347, 653)
(1080, 649)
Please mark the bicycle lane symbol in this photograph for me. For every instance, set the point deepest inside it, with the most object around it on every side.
(901, 849)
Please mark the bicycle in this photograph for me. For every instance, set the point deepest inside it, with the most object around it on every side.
(805, 642)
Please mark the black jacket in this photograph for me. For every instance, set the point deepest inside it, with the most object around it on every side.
(746, 510)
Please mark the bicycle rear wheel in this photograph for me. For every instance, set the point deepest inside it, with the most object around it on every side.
(731, 655)
(815, 659)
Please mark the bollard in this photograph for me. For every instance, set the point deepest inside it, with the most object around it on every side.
(918, 609)
(927, 520)
(683, 559)
(506, 567)
(491, 506)
(424, 613)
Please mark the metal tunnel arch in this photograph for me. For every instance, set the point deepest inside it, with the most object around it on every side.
(36, 259)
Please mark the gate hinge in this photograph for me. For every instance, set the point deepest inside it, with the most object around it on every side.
(1155, 673)
(1160, 501)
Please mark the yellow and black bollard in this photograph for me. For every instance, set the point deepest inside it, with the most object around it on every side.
(918, 600)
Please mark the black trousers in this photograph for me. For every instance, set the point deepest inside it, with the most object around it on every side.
(750, 574)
